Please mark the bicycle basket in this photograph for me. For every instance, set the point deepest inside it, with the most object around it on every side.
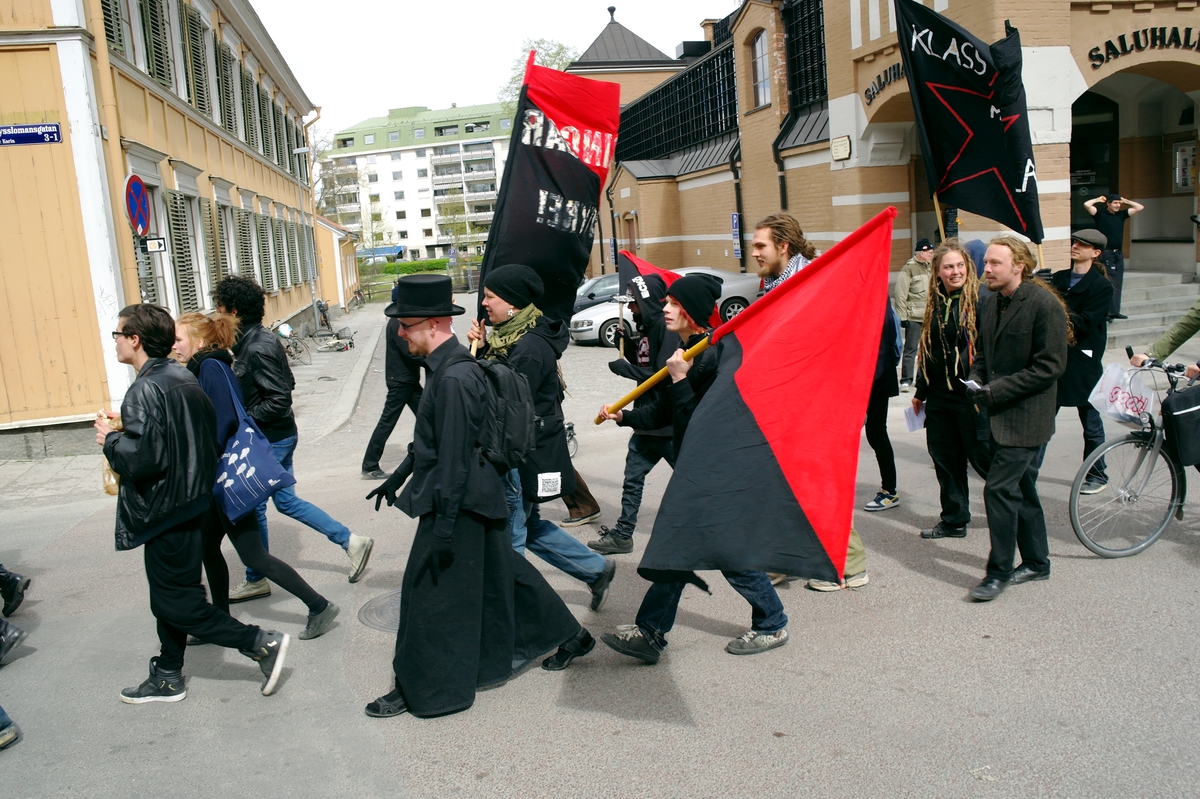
(1181, 420)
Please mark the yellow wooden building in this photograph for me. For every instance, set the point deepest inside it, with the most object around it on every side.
(194, 98)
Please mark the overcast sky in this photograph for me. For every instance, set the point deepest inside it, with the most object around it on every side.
(356, 59)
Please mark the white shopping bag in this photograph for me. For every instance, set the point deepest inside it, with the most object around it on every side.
(1123, 397)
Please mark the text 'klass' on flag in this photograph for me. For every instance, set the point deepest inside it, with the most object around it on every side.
(765, 477)
(969, 101)
(564, 137)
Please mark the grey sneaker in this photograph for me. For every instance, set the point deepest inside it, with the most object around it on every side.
(754, 642)
(601, 584)
(852, 581)
(318, 623)
(628, 640)
(160, 686)
(359, 550)
(1092, 487)
(611, 542)
(247, 589)
(9, 736)
(270, 649)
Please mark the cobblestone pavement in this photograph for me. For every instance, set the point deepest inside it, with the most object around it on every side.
(1080, 686)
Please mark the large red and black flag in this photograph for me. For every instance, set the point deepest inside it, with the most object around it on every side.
(563, 139)
(972, 120)
(630, 268)
(766, 473)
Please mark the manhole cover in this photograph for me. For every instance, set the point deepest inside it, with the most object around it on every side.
(382, 612)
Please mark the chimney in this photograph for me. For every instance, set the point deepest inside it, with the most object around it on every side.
(708, 28)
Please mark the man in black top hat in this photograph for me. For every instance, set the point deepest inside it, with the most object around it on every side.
(1110, 220)
(470, 606)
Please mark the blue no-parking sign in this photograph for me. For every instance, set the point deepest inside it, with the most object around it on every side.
(137, 205)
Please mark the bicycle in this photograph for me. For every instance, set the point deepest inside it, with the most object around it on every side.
(1146, 485)
(572, 441)
(358, 300)
(297, 351)
(323, 311)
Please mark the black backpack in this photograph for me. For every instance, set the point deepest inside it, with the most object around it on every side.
(507, 436)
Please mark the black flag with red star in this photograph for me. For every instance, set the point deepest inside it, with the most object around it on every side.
(972, 121)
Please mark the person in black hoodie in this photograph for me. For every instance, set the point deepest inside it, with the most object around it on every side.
(532, 343)
(646, 355)
(690, 299)
(955, 433)
(202, 345)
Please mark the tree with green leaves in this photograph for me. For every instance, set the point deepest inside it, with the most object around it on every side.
(550, 53)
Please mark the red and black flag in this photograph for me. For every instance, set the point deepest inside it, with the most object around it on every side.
(563, 139)
(972, 120)
(766, 473)
(630, 268)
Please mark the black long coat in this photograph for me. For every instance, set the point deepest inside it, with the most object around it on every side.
(1088, 302)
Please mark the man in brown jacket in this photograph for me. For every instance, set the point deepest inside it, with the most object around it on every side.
(1022, 353)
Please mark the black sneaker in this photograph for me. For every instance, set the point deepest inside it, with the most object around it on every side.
(578, 646)
(600, 585)
(386, 706)
(12, 589)
(943, 530)
(10, 636)
(612, 543)
(160, 686)
(628, 640)
(318, 623)
(269, 651)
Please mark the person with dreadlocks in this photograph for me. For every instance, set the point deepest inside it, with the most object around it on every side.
(955, 433)
(532, 343)
(1024, 333)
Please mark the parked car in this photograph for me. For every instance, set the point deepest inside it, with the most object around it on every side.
(595, 291)
(597, 324)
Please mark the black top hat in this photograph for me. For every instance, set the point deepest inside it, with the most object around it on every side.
(424, 296)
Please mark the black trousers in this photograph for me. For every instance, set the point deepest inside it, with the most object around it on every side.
(1014, 511)
(877, 437)
(248, 542)
(398, 395)
(952, 438)
(1114, 263)
(912, 342)
(177, 598)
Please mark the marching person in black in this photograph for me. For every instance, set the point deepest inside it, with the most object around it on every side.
(402, 371)
(166, 457)
(1088, 293)
(1111, 211)
(470, 606)
(691, 299)
(533, 343)
(955, 433)
(1023, 336)
(644, 356)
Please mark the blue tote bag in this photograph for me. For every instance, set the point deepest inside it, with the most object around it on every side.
(247, 474)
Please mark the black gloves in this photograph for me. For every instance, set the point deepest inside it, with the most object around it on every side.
(389, 487)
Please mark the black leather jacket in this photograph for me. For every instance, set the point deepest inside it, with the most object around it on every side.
(262, 370)
(167, 455)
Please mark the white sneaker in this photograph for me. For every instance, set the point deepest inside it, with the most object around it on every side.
(883, 500)
(852, 581)
(247, 589)
(754, 642)
(359, 552)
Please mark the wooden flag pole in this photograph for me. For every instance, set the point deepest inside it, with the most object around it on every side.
(1041, 257)
(621, 329)
(653, 380)
(937, 208)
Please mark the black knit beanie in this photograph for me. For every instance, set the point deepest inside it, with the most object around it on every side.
(698, 294)
(516, 284)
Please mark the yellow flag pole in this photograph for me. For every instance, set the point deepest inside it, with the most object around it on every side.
(1041, 258)
(653, 380)
(937, 208)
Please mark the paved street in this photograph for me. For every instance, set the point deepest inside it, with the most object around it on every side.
(1081, 686)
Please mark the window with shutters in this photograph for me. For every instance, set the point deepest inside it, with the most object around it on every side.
(302, 246)
(266, 265)
(226, 96)
(183, 251)
(311, 239)
(147, 272)
(281, 270)
(264, 120)
(290, 130)
(249, 109)
(243, 222)
(283, 153)
(195, 59)
(116, 26)
(224, 263)
(293, 250)
(208, 232)
(158, 45)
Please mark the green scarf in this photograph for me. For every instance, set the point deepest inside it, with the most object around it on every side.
(509, 332)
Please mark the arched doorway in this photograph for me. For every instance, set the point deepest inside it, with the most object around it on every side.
(1095, 154)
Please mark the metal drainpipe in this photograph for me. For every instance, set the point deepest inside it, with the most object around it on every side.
(783, 192)
(737, 196)
(612, 221)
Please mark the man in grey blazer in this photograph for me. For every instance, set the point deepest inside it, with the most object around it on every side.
(1022, 353)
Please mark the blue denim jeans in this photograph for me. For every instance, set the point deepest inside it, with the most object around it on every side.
(546, 539)
(287, 503)
(1093, 437)
(644, 453)
(5, 721)
(656, 616)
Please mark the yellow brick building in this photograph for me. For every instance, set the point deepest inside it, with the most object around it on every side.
(745, 129)
(194, 98)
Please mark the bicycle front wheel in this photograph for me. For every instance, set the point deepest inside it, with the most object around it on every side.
(300, 351)
(1136, 505)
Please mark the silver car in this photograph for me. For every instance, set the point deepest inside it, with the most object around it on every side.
(598, 324)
